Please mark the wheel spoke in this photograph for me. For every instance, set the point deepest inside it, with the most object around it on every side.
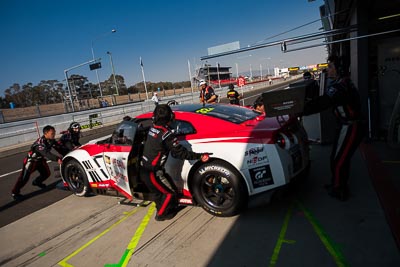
(220, 199)
(210, 194)
(227, 196)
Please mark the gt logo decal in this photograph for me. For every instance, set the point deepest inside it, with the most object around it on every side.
(261, 176)
(204, 110)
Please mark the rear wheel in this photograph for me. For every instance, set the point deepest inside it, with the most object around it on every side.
(219, 189)
(75, 176)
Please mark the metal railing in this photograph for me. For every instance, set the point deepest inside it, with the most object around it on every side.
(13, 133)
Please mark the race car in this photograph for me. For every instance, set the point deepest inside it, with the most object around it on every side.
(250, 154)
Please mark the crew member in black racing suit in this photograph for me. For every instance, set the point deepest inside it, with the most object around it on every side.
(69, 139)
(233, 95)
(160, 141)
(36, 159)
(343, 97)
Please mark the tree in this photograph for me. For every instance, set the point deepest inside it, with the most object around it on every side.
(27, 95)
(52, 91)
(3, 103)
(79, 87)
(14, 94)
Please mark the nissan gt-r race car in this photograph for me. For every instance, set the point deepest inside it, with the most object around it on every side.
(250, 154)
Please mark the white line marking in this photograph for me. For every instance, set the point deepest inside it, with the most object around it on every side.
(6, 174)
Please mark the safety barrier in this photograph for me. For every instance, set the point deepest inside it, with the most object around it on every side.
(13, 133)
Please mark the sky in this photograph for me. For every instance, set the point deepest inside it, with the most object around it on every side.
(40, 39)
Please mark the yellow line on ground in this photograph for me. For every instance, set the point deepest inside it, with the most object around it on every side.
(64, 261)
(329, 245)
(281, 238)
(139, 232)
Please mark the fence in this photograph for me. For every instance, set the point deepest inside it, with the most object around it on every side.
(13, 133)
(18, 114)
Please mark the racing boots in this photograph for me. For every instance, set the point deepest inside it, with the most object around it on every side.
(41, 185)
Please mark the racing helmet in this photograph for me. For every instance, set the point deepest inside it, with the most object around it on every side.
(307, 75)
(163, 114)
(74, 126)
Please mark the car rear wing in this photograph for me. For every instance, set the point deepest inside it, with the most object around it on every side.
(289, 101)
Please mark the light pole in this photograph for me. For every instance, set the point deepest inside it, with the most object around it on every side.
(97, 74)
(66, 79)
(268, 58)
(112, 67)
(219, 80)
(242, 57)
(237, 71)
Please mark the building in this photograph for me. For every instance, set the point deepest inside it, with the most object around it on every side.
(215, 75)
(369, 41)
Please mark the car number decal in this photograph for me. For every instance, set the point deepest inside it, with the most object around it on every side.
(204, 110)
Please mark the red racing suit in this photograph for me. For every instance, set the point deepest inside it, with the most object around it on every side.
(160, 142)
(36, 159)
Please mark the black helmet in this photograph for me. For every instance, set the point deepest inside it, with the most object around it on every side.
(231, 86)
(307, 75)
(258, 102)
(73, 126)
(162, 114)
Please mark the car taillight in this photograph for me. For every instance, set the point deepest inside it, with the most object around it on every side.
(281, 140)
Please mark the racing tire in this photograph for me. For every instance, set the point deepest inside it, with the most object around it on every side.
(219, 189)
(75, 176)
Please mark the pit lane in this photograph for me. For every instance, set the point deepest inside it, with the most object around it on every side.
(301, 226)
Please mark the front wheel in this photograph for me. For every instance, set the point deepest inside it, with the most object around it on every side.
(219, 189)
(75, 176)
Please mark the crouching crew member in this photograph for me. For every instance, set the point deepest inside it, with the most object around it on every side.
(69, 139)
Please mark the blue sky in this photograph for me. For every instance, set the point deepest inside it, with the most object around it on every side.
(42, 38)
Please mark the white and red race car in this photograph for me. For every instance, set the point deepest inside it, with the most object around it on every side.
(251, 154)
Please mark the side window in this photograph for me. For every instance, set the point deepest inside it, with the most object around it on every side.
(182, 127)
(124, 134)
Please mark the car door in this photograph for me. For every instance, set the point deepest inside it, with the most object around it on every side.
(174, 166)
(116, 157)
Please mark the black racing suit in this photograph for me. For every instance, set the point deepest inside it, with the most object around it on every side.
(343, 97)
(68, 141)
(36, 159)
(160, 141)
(233, 97)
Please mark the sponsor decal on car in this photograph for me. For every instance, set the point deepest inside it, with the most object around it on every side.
(185, 201)
(214, 168)
(254, 151)
(261, 176)
(257, 160)
(116, 168)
